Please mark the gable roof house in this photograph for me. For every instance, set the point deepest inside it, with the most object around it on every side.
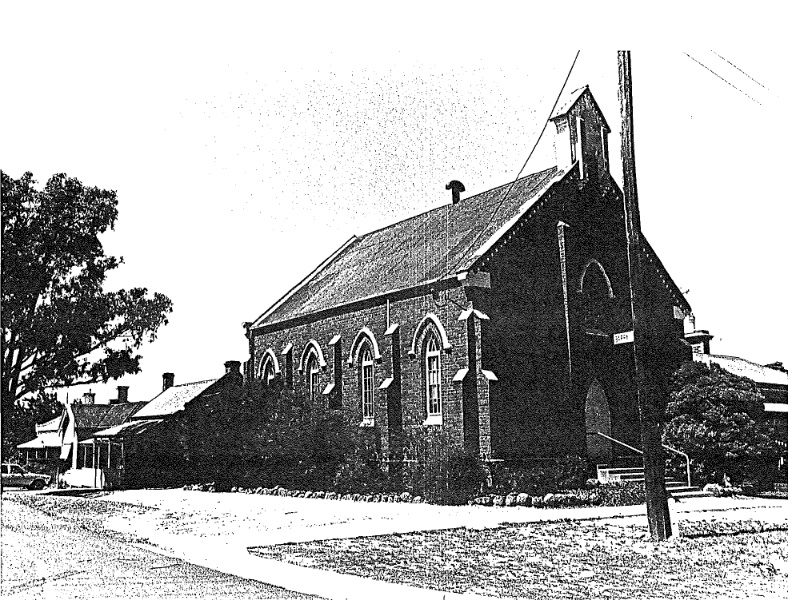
(147, 447)
(491, 317)
(130, 444)
(46, 445)
(770, 380)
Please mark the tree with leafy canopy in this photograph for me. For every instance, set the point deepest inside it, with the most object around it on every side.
(60, 327)
(718, 419)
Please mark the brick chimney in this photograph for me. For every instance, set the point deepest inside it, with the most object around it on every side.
(232, 367)
(123, 394)
(167, 381)
(699, 339)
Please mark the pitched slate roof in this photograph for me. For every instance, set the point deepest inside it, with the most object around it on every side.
(417, 251)
(101, 416)
(173, 399)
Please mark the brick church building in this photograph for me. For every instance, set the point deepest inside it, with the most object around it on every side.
(492, 317)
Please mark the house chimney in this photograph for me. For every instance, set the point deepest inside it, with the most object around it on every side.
(167, 380)
(123, 394)
(700, 340)
(232, 367)
(456, 188)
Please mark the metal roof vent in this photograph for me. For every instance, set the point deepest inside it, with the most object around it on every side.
(456, 188)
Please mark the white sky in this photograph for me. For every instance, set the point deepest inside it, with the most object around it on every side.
(246, 143)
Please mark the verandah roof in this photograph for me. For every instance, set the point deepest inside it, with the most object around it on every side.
(48, 439)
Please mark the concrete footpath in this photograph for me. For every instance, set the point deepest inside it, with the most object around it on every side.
(215, 530)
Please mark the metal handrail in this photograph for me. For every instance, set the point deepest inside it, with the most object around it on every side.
(617, 441)
(686, 457)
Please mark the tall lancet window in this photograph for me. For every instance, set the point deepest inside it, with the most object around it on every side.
(367, 384)
(312, 372)
(433, 379)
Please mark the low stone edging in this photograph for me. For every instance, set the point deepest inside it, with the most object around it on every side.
(406, 497)
(557, 500)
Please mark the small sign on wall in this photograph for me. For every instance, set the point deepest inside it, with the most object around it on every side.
(625, 337)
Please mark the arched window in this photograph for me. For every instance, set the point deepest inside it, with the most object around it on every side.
(432, 371)
(312, 373)
(269, 367)
(267, 372)
(597, 295)
(367, 384)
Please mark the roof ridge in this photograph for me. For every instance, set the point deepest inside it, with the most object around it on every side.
(108, 404)
(747, 360)
(192, 383)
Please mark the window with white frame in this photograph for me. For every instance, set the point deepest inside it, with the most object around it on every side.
(367, 384)
(433, 377)
(312, 372)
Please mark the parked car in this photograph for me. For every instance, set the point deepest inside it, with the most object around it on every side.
(16, 476)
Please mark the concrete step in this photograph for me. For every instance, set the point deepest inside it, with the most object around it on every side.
(675, 483)
(623, 469)
(619, 473)
(691, 493)
(680, 489)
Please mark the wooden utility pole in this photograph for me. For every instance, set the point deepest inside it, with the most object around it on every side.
(653, 461)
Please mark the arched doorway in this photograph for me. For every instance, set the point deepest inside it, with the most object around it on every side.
(598, 420)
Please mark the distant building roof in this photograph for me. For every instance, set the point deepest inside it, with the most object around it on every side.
(129, 429)
(101, 416)
(747, 368)
(51, 425)
(46, 439)
(173, 399)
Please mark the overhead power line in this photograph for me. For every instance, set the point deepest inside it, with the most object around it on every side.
(747, 75)
(721, 77)
(511, 185)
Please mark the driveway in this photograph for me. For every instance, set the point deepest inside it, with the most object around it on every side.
(43, 556)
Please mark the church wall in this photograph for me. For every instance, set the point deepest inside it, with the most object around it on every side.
(537, 406)
(403, 404)
(530, 413)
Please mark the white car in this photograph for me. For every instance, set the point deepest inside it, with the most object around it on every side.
(15, 476)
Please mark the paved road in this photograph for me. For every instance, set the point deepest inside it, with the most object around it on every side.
(46, 557)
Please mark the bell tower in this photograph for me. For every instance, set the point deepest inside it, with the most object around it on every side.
(581, 135)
